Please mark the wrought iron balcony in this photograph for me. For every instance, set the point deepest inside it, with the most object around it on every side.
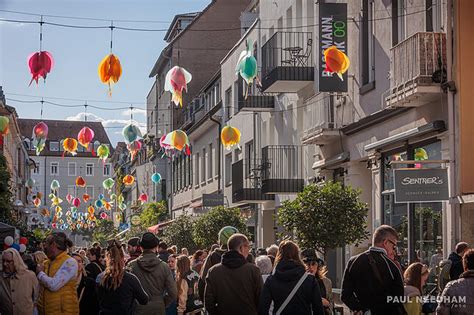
(255, 101)
(282, 169)
(417, 67)
(287, 62)
(247, 182)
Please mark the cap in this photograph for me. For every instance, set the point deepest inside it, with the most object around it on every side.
(134, 241)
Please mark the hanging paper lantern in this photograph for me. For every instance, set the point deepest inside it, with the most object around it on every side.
(4, 123)
(40, 133)
(85, 197)
(56, 201)
(131, 133)
(156, 178)
(99, 203)
(108, 183)
(40, 64)
(176, 81)
(113, 197)
(101, 197)
(120, 198)
(421, 154)
(103, 215)
(107, 205)
(76, 202)
(230, 137)
(70, 145)
(177, 140)
(133, 148)
(37, 202)
(128, 180)
(85, 136)
(74, 209)
(336, 61)
(90, 209)
(122, 206)
(54, 185)
(247, 65)
(30, 183)
(103, 152)
(69, 198)
(45, 212)
(80, 182)
(110, 70)
(143, 198)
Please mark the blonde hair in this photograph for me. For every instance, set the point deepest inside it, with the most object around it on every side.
(115, 264)
(39, 257)
(20, 266)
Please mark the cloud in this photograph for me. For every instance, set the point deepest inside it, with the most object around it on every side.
(135, 111)
(13, 24)
(107, 123)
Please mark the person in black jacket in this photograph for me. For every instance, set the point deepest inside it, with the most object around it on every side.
(372, 281)
(456, 260)
(288, 271)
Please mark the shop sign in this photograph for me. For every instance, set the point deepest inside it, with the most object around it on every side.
(421, 185)
(332, 32)
(212, 200)
(135, 220)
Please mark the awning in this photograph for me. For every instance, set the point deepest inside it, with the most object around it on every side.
(331, 162)
(155, 228)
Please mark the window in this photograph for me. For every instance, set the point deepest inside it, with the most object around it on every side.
(228, 169)
(433, 15)
(249, 158)
(107, 168)
(53, 146)
(89, 169)
(398, 21)
(289, 18)
(203, 165)
(196, 167)
(236, 96)
(54, 168)
(217, 170)
(71, 169)
(228, 104)
(209, 164)
(37, 169)
(90, 192)
(368, 40)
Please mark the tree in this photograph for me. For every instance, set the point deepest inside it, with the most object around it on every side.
(153, 213)
(325, 217)
(6, 208)
(103, 231)
(207, 226)
(180, 233)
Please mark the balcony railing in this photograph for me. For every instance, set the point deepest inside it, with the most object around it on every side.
(247, 182)
(256, 100)
(287, 62)
(417, 67)
(282, 169)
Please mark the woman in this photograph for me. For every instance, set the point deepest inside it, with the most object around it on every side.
(197, 261)
(264, 263)
(316, 267)
(86, 295)
(118, 289)
(184, 251)
(187, 280)
(415, 279)
(39, 257)
(172, 308)
(290, 274)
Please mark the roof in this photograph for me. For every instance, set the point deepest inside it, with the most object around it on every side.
(175, 21)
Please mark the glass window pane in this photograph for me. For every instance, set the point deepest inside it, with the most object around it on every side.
(395, 215)
(388, 168)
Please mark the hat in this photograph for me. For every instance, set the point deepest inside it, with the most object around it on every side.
(309, 255)
(148, 241)
(134, 241)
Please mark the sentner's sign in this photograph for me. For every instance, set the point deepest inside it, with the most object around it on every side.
(421, 185)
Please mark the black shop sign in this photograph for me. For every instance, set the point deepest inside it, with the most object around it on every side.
(421, 185)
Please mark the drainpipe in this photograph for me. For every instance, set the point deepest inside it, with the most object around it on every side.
(219, 123)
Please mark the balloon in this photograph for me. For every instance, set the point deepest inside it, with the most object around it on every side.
(85, 197)
(177, 140)
(108, 183)
(103, 152)
(55, 185)
(131, 133)
(128, 180)
(336, 61)
(40, 64)
(16, 246)
(156, 178)
(85, 136)
(8, 240)
(22, 248)
(70, 145)
(30, 183)
(176, 81)
(110, 70)
(76, 202)
(80, 181)
(23, 240)
(143, 198)
(4, 125)
(40, 133)
(230, 137)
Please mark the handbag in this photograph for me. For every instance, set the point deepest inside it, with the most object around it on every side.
(292, 293)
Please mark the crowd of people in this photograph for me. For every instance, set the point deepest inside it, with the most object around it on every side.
(145, 276)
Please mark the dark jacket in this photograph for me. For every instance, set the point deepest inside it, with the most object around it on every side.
(456, 266)
(212, 259)
(164, 256)
(362, 289)
(122, 300)
(457, 290)
(233, 286)
(89, 303)
(307, 300)
(156, 278)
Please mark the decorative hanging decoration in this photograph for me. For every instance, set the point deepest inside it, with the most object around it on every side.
(128, 180)
(69, 198)
(55, 185)
(176, 81)
(103, 152)
(156, 178)
(85, 136)
(56, 201)
(30, 183)
(70, 145)
(86, 197)
(420, 155)
(108, 184)
(76, 202)
(143, 198)
(336, 61)
(110, 69)
(178, 140)
(80, 182)
(4, 125)
(37, 202)
(98, 204)
(230, 137)
(40, 63)
(133, 148)
(40, 133)
(247, 66)
(131, 133)
(167, 150)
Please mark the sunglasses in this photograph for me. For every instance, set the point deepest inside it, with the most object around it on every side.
(394, 244)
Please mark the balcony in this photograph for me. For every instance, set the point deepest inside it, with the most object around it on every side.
(246, 183)
(255, 101)
(417, 67)
(188, 117)
(287, 62)
(282, 169)
(319, 122)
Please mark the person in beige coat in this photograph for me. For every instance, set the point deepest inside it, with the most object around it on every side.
(187, 283)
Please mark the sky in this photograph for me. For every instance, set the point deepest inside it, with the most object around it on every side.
(78, 52)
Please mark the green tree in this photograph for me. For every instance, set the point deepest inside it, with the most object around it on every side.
(325, 217)
(180, 233)
(103, 231)
(153, 213)
(207, 226)
(6, 208)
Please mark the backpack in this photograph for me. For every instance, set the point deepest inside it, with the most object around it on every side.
(193, 301)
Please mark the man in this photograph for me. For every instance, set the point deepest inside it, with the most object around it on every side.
(58, 284)
(436, 258)
(372, 282)
(458, 295)
(155, 277)
(133, 248)
(163, 251)
(18, 285)
(234, 285)
(456, 260)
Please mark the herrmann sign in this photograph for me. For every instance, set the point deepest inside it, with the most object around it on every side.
(421, 185)
(212, 200)
(332, 32)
